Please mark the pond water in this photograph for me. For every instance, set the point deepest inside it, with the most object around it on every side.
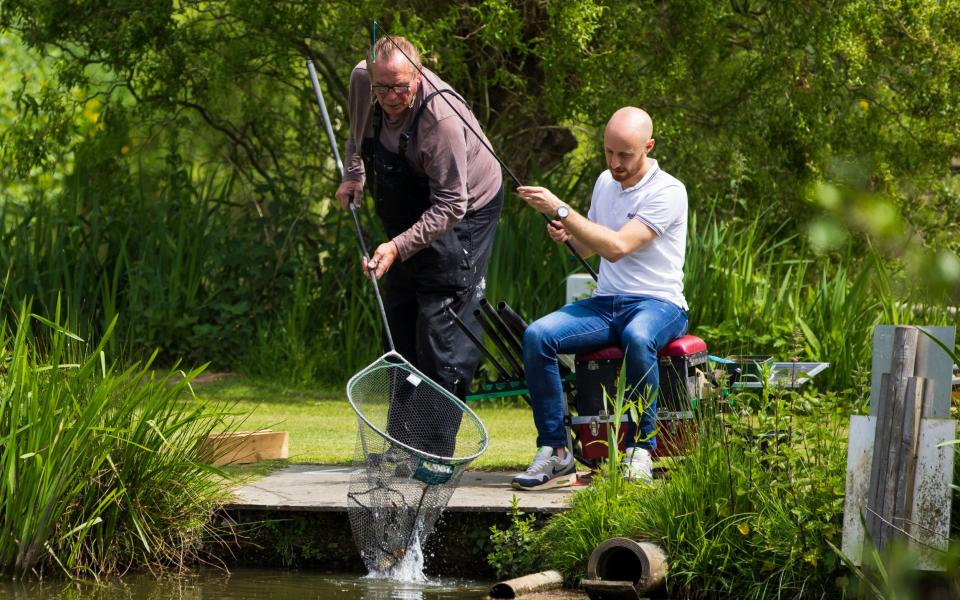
(244, 584)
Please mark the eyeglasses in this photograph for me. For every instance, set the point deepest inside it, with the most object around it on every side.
(382, 90)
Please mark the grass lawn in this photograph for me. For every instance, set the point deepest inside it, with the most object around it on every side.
(323, 426)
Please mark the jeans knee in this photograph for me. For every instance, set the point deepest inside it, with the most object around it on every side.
(642, 344)
(536, 338)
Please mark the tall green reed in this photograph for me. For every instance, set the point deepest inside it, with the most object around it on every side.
(100, 465)
(327, 326)
(755, 289)
(178, 263)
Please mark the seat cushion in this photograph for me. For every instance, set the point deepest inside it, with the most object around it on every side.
(608, 353)
(684, 346)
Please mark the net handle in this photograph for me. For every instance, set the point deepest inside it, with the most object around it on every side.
(356, 221)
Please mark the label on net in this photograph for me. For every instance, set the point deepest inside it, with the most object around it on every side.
(413, 380)
(433, 473)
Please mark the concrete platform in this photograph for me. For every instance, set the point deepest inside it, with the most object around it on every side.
(324, 489)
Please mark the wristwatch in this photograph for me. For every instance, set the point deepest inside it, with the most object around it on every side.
(563, 211)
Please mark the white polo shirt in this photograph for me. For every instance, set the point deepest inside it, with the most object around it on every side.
(659, 201)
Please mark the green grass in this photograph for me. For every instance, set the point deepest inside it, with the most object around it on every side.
(323, 426)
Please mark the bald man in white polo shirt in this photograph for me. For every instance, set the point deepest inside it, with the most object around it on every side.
(637, 223)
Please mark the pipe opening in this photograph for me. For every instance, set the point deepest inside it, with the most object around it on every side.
(620, 564)
(502, 590)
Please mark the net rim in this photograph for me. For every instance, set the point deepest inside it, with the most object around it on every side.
(460, 403)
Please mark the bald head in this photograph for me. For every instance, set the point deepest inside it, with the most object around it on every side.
(627, 140)
(633, 122)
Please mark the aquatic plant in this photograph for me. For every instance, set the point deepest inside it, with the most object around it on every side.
(101, 469)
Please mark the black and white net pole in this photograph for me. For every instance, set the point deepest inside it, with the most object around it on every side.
(353, 211)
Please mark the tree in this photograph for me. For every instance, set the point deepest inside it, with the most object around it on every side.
(751, 97)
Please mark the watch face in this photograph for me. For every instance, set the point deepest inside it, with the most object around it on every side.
(563, 212)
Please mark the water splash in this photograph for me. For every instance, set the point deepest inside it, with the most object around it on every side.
(410, 567)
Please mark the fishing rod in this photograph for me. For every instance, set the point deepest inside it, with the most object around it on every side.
(353, 211)
(479, 137)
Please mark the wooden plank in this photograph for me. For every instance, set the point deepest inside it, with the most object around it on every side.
(902, 368)
(878, 460)
(933, 494)
(886, 442)
(931, 499)
(888, 483)
(932, 363)
(243, 447)
(936, 366)
(905, 340)
(909, 438)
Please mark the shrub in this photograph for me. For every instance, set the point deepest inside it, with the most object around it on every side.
(511, 555)
(747, 513)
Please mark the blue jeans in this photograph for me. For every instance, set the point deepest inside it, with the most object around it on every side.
(641, 325)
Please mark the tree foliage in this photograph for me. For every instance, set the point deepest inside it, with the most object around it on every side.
(753, 101)
(750, 97)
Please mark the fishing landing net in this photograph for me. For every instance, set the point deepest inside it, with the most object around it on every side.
(414, 442)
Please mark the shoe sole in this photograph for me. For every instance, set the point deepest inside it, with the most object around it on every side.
(556, 482)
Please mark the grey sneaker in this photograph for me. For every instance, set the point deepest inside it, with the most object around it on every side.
(638, 465)
(547, 471)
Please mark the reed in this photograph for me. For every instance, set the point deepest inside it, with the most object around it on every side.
(179, 266)
(100, 464)
(753, 289)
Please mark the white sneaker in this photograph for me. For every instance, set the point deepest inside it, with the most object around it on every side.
(548, 470)
(638, 465)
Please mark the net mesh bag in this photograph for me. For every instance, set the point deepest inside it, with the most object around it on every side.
(415, 440)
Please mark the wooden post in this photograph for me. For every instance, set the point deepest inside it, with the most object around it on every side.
(878, 465)
(899, 470)
(885, 470)
(909, 440)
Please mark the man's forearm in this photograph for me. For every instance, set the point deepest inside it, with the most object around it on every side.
(353, 164)
(582, 249)
(589, 238)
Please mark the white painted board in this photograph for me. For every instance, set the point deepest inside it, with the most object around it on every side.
(579, 286)
(932, 492)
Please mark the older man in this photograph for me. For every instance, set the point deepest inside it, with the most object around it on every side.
(414, 143)
(637, 223)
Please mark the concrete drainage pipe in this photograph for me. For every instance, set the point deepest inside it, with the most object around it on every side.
(537, 582)
(643, 564)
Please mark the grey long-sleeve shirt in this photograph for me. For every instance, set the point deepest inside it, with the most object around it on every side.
(462, 173)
